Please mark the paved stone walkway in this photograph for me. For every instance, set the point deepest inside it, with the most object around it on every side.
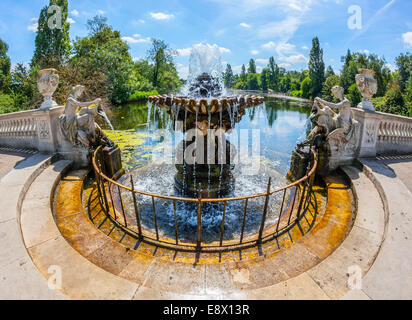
(24, 180)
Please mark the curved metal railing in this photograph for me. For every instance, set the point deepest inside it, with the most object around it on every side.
(296, 199)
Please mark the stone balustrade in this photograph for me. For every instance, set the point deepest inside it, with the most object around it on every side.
(33, 129)
(383, 133)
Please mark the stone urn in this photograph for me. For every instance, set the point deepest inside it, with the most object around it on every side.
(368, 86)
(47, 83)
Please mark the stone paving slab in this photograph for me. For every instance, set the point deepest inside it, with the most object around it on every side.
(19, 278)
(391, 275)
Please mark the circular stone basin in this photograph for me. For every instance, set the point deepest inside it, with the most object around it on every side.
(159, 178)
(206, 106)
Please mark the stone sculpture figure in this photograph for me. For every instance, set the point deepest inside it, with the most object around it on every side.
(338, 132)
(77, 123)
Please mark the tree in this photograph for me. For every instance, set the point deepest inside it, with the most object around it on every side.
(274, 78)
(161, 55)
(329, 72)
(97, 24)
(52, 45)
(252, 66)
(105, 57)
(354, 95)
(306, 86)
(404, 63)
(316, 68)
(395, 102)
(228, 76)
(252, 81)
(5, 66)
(264, 79)
(349, 71)
(330, 82)
(243, 73)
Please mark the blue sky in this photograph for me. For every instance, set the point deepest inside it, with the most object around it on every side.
(243, 29)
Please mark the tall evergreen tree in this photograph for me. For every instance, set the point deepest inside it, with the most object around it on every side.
(52, 46)
(243, 73)
(252, 66)
(228, 76)
(329, 72)
(264, 79)
(5, 66)
(274, 78)
(316, 68)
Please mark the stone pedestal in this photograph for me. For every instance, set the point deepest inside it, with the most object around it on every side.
(47, 128)
(369, 132)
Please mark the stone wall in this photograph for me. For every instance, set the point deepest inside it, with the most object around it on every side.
(33, 129)
(383, 133)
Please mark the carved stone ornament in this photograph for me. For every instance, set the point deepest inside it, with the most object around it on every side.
(47, 84)
(368, 86)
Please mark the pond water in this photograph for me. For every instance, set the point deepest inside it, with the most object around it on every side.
(280, 124)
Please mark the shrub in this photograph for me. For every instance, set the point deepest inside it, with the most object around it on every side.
(6, 104)
(141, 95)
(354, 95)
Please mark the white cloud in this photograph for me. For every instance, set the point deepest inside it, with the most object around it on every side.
(283, 30)
(70, 20)
(366, 52)
(184, 52)
(224, 50)
(141, 21)
(299, 58)
(33, 27)
(136, 39)
(245, 25)
(101, 12)
(254, 52)
(74, 13)
(305, 47)
(284, 65)
(262, 61)
(407, 39)
(161, 16)
(269, 46)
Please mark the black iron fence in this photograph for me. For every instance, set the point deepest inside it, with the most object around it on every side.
(294, 202)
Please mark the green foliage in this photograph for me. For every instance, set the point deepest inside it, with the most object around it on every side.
(5, 65)
(252, 66)
(228, 76)
(253, 81)
(404, 63)
(142, 95)
(264, 79)
(297, 93)
(243, 74)
(316, 68)
(106, 53)
(306, 87)
(97, 24)
(330, 82)
(395, 102)
(354, 95)
(329, 72)
(164, 77)
(6, 103)
(52, 46)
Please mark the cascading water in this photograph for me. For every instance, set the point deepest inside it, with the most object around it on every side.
(107, 120)
(203, 105)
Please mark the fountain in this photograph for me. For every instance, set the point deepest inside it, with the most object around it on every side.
(204, 112)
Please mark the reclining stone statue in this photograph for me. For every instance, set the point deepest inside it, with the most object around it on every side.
(77, 125)
(336, 135)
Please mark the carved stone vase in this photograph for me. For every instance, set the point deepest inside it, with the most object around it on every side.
(47, 83)
(368, 86)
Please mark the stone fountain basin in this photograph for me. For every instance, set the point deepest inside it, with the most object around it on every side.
(206, 106)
